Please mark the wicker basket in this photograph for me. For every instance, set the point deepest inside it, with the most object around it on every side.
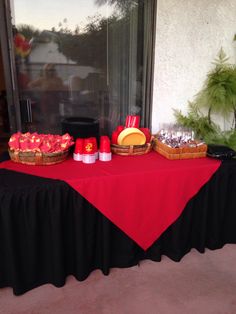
(37, 158)
(132, 150)
(181, 152)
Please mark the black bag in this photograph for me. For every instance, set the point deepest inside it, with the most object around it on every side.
(220, 151)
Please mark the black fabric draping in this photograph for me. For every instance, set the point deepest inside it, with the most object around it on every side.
(48, 231)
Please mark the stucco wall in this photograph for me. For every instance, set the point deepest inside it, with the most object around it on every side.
(189, 34)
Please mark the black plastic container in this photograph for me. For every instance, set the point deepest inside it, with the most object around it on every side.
(81, 127)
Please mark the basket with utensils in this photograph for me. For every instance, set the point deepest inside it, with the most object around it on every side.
(195, 150)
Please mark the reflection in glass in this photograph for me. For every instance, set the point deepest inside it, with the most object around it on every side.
(89, 63)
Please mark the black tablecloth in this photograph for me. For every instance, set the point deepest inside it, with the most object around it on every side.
(48, 231)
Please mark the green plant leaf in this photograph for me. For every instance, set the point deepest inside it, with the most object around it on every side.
(219, 88)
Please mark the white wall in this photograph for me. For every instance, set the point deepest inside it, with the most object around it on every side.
(189, 35)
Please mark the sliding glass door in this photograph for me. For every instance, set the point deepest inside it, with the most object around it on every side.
(82, 58)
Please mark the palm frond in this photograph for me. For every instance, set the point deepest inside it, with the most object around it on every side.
(221, 59)
(219, 89)
(218, 95)
(196, 121)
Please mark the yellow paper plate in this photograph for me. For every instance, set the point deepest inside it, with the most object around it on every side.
(131, 136)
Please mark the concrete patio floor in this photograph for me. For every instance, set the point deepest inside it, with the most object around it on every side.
(200, 283)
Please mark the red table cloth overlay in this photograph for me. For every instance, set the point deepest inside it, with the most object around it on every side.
(142, 195)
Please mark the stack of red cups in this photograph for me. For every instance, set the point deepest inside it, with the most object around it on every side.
(105, 149)
(89, 151)
(78, 152)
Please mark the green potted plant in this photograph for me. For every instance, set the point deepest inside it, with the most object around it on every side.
(218, 95)
(219, 90)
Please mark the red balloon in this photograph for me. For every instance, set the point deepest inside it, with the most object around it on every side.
(25, 46)
(19, 39)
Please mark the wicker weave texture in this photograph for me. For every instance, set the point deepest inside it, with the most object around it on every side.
(132, 150)
(180, 153)
(38, 158)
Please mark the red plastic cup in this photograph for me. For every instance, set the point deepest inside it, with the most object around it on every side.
(120, 128)
(128, 121)
(104, 137)
(147, 133)
(94, 141)
(89, 155)
(88, 147)
(105, 144)
(114, 137)
(132, 121)
(135, 120)
(79, 144)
